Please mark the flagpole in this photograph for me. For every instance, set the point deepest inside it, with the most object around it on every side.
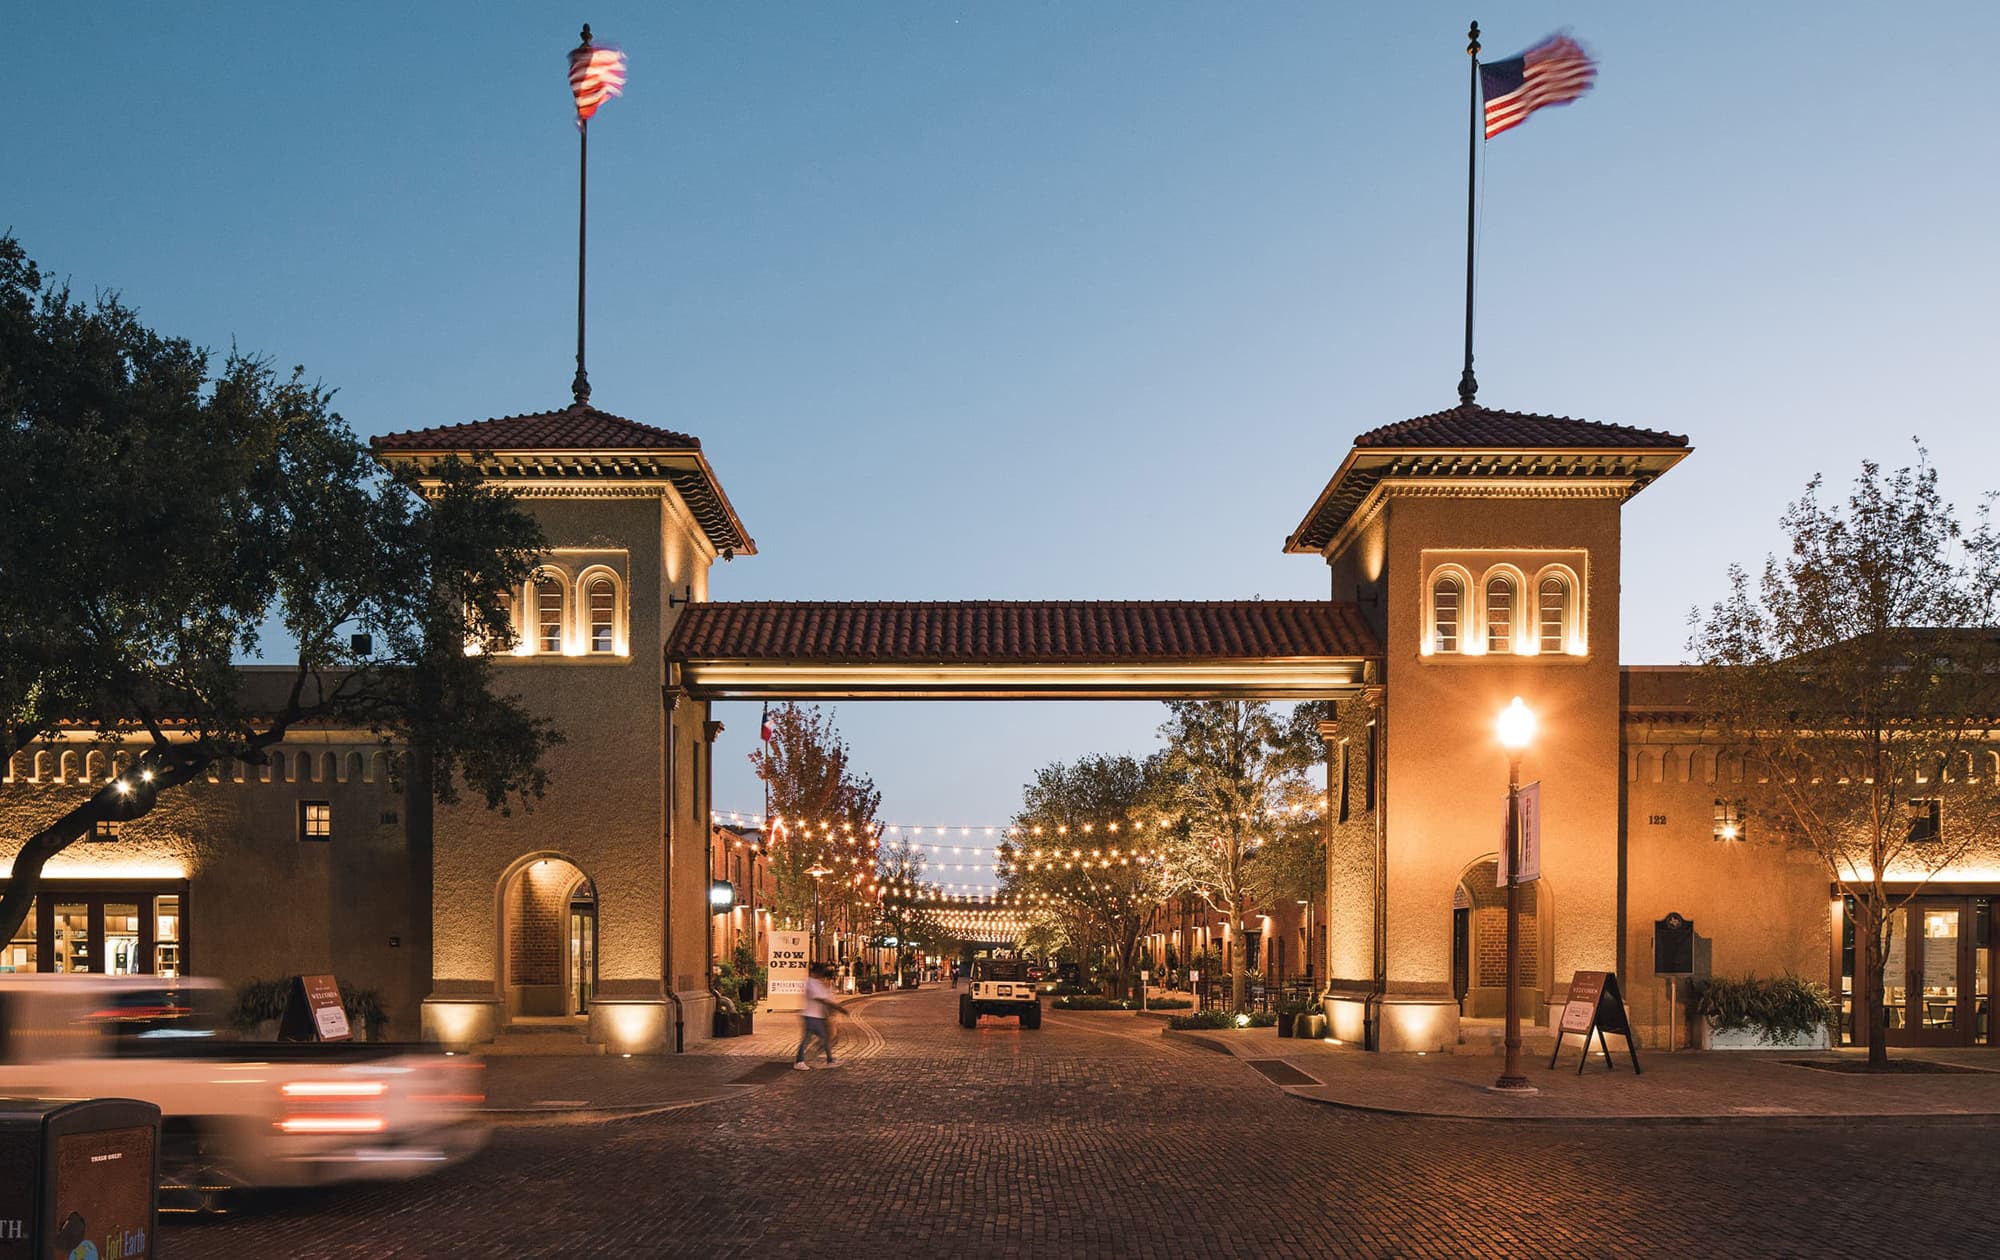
(1468, 385)
(580, 387)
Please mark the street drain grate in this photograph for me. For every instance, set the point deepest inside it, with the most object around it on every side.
(763, 1074)
(1280, 1072)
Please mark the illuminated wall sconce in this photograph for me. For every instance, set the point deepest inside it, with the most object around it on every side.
(721, 896)
(1729, 824)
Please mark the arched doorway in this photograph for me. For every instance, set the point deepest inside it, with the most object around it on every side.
(548, 938)
(1479, 943)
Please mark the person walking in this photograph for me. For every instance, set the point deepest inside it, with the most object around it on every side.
(817, 1011)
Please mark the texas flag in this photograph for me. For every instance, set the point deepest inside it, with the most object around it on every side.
(767, 732)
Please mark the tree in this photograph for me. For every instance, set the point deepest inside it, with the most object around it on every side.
(155, 519)
(823, 817)
(1079, 851)
(905, 898)
(1859, 679)
(1234, 773)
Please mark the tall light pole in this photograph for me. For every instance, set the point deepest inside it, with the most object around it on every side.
(1517, 731)
(817, 875)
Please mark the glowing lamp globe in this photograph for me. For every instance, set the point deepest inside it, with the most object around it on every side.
(1517, 726)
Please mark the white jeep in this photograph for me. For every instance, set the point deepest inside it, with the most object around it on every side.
(1000, 986)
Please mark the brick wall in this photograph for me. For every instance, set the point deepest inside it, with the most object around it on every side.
(537, 919)
(1489, 930)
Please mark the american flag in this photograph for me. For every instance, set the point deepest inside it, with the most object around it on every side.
(1553, 72)
(595, 76)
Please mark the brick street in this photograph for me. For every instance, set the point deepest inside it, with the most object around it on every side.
(1097, 1136)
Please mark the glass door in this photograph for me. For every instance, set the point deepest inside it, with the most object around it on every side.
(582, 955)
(1982, 971)
(1937, 936)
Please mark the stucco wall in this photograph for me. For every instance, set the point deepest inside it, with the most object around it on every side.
(1758, 906)
(1351, 851)
(261, 903)
(602, 809)
(1447, 773)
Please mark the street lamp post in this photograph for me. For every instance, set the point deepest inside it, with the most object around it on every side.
(1517, 730)
(818, 873)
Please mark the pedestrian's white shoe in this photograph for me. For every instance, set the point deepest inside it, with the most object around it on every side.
(831, 1063)
(800, 1066)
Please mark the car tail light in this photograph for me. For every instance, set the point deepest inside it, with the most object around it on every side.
(332, 1124)
(335, 1089)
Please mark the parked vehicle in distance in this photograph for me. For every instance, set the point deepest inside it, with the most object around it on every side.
(236, 1114)
(1000, 986)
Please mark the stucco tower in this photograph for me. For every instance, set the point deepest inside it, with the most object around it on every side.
(1484, 547)
(586, 915)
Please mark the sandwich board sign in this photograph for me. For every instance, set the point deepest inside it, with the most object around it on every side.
(314, 1011)
(1595, 1006)
(787, 971)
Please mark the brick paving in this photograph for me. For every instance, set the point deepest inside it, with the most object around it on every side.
(1099, 1138)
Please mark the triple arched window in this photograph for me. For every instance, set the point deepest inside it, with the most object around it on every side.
(557, 614)
(1502, 612)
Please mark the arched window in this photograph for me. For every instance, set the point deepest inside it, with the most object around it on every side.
(1499, 614)
(549, 615)
(1552, 614)
(602, 595)
(1447, 597)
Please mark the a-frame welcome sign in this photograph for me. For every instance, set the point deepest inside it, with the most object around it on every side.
(1595, 1005)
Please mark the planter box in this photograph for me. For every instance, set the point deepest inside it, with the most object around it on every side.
(1753, 1039)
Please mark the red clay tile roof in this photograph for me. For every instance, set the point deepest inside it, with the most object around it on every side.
(575, 428)
(1478, 427)
(1008, 631)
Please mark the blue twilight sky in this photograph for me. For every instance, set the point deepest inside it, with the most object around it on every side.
(1056, 300)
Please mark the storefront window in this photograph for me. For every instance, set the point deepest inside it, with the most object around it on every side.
(121, 939)
(167, 936)
(72, 938)
(20, 955)
(1940, 964)
(1896, 973)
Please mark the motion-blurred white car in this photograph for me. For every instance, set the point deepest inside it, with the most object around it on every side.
(234, 1113)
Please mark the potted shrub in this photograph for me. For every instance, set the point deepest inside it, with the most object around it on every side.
(1785, 1013)
(260, 1004)
(366, 1015)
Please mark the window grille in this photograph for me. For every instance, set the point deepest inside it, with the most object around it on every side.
(1554, 615)
(1499, 615)
(1444, 613)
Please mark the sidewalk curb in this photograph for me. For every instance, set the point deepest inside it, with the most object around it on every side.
(1802, 1118)
(1806, 1118)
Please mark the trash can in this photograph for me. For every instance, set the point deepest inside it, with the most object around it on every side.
(76, 1172)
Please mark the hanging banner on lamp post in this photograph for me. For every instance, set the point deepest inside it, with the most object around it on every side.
(1531, 835)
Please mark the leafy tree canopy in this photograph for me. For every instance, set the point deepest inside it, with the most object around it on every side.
(158, 518)
(1858, 678)
(1083, 858)
(1236, 781)
(824, 812)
